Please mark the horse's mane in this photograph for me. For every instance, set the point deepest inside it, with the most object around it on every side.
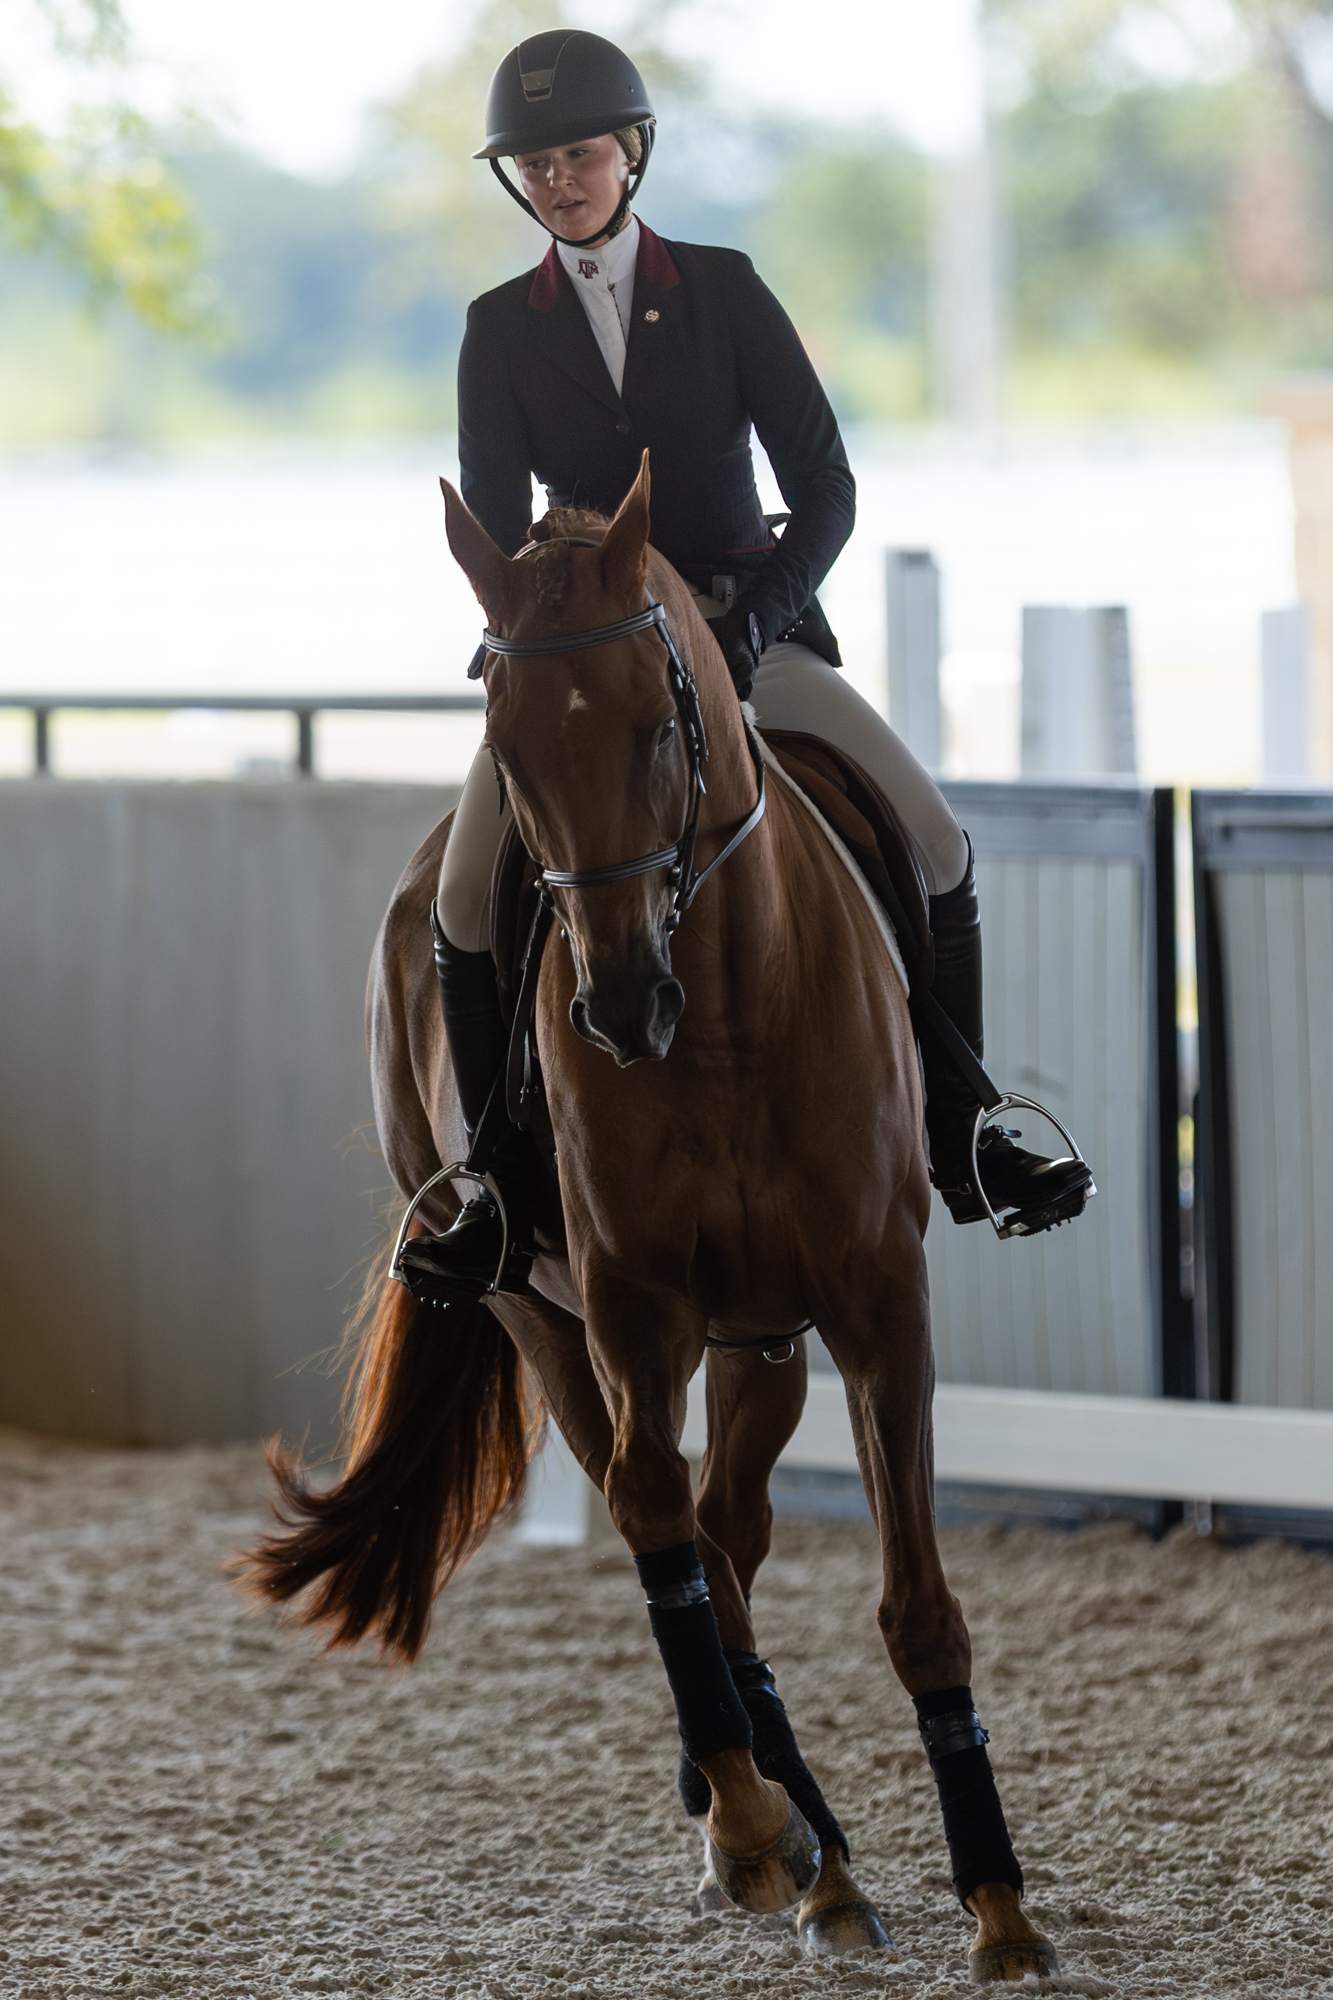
(552, 557)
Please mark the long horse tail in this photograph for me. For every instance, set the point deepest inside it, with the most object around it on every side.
(436, 1443)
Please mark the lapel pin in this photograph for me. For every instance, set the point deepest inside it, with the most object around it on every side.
(652, 315)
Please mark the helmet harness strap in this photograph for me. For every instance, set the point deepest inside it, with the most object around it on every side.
(611, 228)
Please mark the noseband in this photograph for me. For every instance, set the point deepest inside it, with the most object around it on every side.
(686, 879)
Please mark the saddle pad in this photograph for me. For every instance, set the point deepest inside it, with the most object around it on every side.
(875, 838)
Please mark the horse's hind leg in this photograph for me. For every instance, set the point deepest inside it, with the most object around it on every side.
(753, 1409)
(881, 1343)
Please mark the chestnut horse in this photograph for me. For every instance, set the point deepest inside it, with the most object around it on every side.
(761, 1170)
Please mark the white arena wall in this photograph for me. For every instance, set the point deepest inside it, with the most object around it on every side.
(188, 1174)
(189, 1186)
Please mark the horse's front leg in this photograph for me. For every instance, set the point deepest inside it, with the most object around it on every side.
(753, 1410)
(880, 1339)
(645, 1343)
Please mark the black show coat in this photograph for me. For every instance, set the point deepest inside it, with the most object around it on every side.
(710, 352)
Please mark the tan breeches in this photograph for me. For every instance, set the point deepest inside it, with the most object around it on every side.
(794, 689)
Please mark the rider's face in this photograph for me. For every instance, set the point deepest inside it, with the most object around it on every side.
(575, 189)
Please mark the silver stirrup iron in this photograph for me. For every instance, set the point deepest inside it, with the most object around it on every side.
(462, 1172)
(1011, 1101)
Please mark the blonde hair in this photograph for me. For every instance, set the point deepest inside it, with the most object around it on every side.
(631, 144)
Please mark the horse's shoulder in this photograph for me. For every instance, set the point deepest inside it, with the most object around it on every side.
(403, 1025)
(409, 905)
(402, 947)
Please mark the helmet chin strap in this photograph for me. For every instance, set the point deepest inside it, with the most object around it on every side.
(621, 210)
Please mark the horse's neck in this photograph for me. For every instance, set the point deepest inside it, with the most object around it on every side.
(747, 919)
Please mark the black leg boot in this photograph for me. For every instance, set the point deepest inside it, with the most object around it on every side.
(1040, 1193)
(461, 1264)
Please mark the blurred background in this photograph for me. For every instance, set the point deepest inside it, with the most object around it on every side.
(1065, 268)
(1049, 256)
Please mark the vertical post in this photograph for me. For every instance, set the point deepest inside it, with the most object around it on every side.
(1284, 647)
(964, 274)
(1078, 693)
(1177, 1334)
(913, 590)
(964, 316)
(305, 742)
(41, 742)
(1305, 403)
(1214, 1269)
(1115, 688)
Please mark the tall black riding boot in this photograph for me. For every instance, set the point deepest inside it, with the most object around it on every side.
(1040, 1193)
(461, 1264)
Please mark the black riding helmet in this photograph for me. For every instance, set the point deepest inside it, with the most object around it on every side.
(555, 89)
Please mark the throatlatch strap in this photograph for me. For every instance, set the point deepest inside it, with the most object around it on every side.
(709, 1712)
(980, 1849)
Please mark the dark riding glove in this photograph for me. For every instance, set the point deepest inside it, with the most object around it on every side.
(742, 643)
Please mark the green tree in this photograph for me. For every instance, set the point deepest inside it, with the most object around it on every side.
(96, 195)
(1168, 184)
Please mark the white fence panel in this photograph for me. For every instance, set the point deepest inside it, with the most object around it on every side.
(184, 1203)
(1067, 877)
(1265, 897)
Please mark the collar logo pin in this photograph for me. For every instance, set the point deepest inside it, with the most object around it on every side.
(652, 315)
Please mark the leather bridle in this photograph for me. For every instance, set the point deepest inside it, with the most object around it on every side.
(678, 860)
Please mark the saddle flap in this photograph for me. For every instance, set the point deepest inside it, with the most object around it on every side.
(867, 824)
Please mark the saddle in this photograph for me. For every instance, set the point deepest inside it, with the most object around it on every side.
(848, 799)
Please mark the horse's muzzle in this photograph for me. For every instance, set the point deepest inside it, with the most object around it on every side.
(629, 1016)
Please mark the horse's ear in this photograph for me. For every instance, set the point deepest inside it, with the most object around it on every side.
(485, 566)
(625, 543)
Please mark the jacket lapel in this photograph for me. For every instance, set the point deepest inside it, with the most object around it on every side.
(560, 326)
(653, 318)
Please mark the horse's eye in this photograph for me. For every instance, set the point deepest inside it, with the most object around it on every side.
(665, 733)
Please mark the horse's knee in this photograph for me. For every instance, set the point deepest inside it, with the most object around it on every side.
(926, 1637)
(649, 1495)
(743, 1529)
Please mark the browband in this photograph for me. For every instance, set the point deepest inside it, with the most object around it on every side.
(573, 642)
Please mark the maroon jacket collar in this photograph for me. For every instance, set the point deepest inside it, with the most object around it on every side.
(653, 264)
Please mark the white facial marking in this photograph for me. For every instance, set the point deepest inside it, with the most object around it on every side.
(576, 701)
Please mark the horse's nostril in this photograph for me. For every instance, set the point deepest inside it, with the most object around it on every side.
(665, 1008)
(578, 1014)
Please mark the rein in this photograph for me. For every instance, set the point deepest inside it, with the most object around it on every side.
(678, 860)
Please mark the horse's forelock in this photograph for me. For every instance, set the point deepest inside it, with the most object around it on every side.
(551, 569)
(569, 521)
(554, 567)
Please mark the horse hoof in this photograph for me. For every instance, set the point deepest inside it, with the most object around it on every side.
(846, 1927)
(775, 1879)
(708, 1898)
(991, 1963)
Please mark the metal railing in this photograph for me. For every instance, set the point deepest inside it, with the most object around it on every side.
(305, 708)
